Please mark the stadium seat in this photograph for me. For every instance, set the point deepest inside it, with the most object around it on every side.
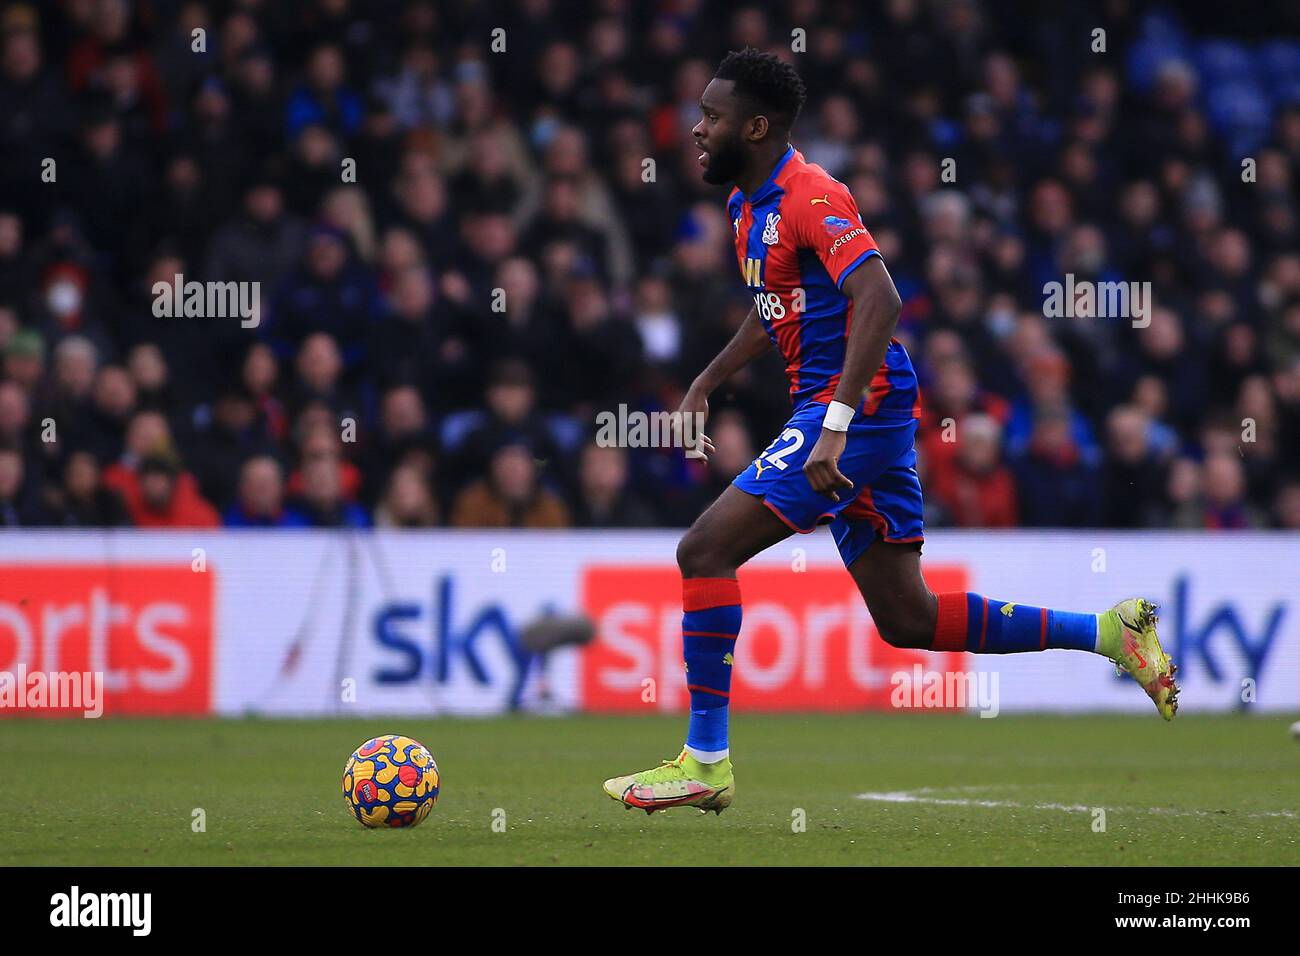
(1240, 112)
(1146, 57)
(1165, 26)
(1225, 61)
(1279, 61)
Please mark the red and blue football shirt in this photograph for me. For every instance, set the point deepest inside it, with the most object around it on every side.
(797, 238)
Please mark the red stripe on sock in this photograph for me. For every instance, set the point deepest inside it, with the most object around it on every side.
(984, 621)
(1042, 629)
(700, 594)
(708, 690)
(950, 623)
(720, 634)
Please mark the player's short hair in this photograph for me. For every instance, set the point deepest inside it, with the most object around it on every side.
(765, 80)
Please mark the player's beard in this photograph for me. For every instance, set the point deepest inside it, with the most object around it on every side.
(725, 163)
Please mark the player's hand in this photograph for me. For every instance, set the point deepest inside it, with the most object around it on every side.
(822, 467)
(694, 412)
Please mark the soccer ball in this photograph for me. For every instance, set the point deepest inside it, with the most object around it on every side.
(390, 781)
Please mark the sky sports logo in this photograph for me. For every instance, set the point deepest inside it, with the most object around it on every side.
(142, 632)
(76, 909)
(809, 644)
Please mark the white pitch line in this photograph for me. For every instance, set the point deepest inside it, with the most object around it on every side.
(922, 796)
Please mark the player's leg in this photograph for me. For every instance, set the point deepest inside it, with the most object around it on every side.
(734, 529)
(902, 606)
(908, 614)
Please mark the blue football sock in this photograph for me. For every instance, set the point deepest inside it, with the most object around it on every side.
(710, 625)
(971, 622)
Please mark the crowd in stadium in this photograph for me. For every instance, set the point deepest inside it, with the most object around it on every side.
(384, 383)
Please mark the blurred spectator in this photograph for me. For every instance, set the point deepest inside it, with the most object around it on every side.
(107, 185)
(510, 496)
(511, 416)
(260, 244)
(319, 440)
(950, 398)
(260, 379)
(68, 401)
(1046, 375)
(403, 431)
(16, 429)
(1057, 480)
(329, 294)
(24, 360)
(34, 104)
(1182, 494)
(1287, 506)
(150, 377)
(734, 451)
(320, 379)
(979, 491)
(20, 504)
(260, 501)
(1222, 503)
(1133, 476)
(172, 497)
(530, 327)
(425, 340)
(324, 97)
(160, 498)
(84, 500)
(604, 498)
(16, 273)
(321, 500)
(114, 399)
(224, 434)
(408, 501)
(346, 209)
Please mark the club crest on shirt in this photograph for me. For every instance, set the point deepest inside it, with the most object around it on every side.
(835, 225)
(770, 238)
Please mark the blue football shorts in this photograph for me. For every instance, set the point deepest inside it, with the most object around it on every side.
(879, 458)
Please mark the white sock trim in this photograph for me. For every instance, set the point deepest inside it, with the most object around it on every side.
(708, 756)
(1096, 637)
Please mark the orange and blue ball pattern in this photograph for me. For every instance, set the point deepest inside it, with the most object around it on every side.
(391, 781)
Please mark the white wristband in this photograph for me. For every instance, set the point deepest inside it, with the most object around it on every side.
(838, 416)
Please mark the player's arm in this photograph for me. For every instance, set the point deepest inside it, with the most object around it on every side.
(749, 342)
(875, 314)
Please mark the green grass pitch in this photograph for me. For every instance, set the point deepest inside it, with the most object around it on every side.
(962, 790)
